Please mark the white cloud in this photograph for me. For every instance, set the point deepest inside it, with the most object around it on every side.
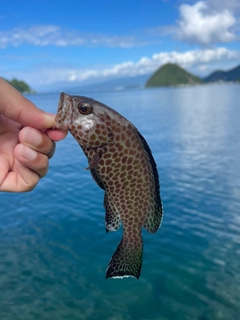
(44, 35)
(205, 22)
(199, 24)
(196, 61)
(231, 5)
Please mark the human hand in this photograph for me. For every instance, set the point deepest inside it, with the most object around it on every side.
(26, 141)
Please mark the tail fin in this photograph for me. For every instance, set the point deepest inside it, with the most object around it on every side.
(127, 259)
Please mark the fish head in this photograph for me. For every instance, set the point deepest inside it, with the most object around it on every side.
(86, 119)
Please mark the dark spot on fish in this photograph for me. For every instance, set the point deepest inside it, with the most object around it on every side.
(128, 143)
(108, 162)
(93, 137)
(123, 137)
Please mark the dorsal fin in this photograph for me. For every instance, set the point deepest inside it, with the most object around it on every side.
(154, 216)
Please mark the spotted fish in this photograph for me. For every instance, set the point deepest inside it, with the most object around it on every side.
(122, 164)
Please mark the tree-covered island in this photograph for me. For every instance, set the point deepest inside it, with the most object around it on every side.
(172, 75)
(20, 85)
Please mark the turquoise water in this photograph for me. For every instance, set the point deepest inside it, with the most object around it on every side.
(53, 247)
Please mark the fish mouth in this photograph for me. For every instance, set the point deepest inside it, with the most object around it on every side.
(62, 112)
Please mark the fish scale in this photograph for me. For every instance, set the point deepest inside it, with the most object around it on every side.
(122, 164)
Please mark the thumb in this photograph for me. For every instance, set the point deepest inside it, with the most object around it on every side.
(19, 109)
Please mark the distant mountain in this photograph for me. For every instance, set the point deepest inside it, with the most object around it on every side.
(171, 75)
(219, 75)
(109, 85)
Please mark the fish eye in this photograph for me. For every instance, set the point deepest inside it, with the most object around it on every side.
(84, 108)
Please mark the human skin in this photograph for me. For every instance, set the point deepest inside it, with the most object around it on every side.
(27, 141)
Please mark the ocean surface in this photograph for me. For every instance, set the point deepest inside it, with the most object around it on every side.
(54, 250)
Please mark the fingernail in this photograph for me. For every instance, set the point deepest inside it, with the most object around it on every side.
(32, 137)
(27, 153)
(50, 120)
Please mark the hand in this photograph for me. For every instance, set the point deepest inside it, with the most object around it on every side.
(26, 141)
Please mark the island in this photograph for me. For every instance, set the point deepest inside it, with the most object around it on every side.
(172, 75)
(20, 85)
(232, 75)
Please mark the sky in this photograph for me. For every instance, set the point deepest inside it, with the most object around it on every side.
(52, 43)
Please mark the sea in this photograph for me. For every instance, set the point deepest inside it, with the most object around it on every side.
(54, 249)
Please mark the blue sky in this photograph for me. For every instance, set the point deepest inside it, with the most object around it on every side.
(48, 43)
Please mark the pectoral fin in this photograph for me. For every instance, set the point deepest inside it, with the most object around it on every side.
(93, 163)
(97, 178)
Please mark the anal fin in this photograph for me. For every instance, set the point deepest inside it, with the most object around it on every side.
(112, 217)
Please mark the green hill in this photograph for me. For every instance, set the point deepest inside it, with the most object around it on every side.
(20, 85)
(219, 75)
(171, 75)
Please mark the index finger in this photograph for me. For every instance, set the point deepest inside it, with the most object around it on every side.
(19, 109)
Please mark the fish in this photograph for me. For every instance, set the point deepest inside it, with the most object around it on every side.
(122, 164)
